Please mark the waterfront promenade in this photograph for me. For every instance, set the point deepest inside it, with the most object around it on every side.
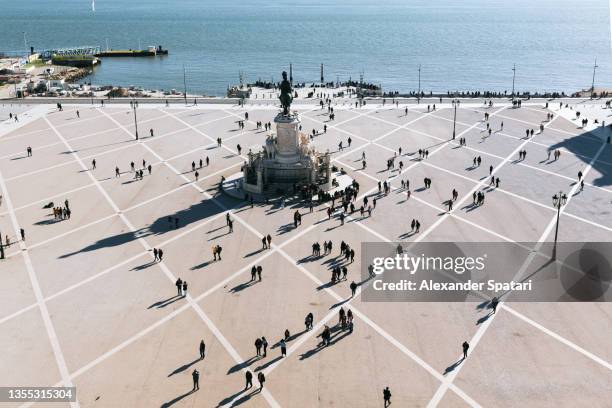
(84, 303)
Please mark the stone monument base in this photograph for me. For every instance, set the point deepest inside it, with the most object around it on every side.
(234, 186)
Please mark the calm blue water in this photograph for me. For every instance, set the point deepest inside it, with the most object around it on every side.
(461, 44)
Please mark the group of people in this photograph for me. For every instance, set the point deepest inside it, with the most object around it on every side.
(347, 196)
(556, 154)
(337, 271)
(256, 273)
(478, 198)
(267, 126)
(201, 163)
(62, 213)
(158, 254)
(316, 248)
(345, 319)
(181, 288)
(266, 241)
(261, 378)
(216, 251)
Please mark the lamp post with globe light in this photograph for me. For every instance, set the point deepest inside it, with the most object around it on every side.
(559, 200)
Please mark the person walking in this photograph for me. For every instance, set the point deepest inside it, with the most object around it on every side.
(262, 379)
(264, 344)
(179, 286)
(466, 347)
(308, 321)
(387, 396)
(196, 379)
(283, 347)
(353, 288)
(258, 344)
(249, 380)
(494, 303)
(202, 350)
(22, 232)
(155, 254)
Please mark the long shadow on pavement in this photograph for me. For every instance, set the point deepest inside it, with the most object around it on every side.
(177, 399)
(184, 367)
(452, 367)
(197, 212)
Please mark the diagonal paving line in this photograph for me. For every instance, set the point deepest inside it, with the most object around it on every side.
(459, 218)
(60, 126)
(557, 337)
(439, 395)
(220, 337)
(65, 290)
(478, 185)
(46, 317)
(154, 163)
(248, 226)
(370, 323)
(105, 152)
(536, 325)
(42, 147)
(82, 370)
(531, 141)
(135, 206)
(368, 141)
(180, 310)
(484, 326)
(458, 391)
(27, 117)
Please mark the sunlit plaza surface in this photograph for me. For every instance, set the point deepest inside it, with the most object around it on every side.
(83, 303)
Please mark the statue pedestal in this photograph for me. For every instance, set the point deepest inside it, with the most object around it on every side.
(287, 140)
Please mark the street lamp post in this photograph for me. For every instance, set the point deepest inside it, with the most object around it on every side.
(513, 77)
(455, 103)
(559, 200)
(1, 247)
(595, 66)
(185, 84)
(419, 94)
(135, 120)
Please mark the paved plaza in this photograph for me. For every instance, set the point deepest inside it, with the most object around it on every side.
(84, 303)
